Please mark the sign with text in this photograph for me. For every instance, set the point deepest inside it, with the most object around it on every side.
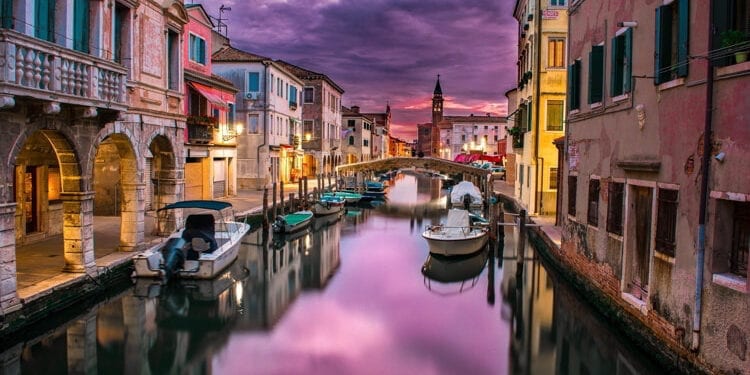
(548, 14)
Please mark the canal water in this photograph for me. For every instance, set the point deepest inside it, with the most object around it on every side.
(356, 294)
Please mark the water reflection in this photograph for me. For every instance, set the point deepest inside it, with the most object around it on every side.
(357, 293)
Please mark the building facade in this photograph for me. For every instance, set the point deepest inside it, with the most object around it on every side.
(92, 124)
(656, 214)
(211, 129)
(471, 134)
(540, 101)
(269, 149)
(321, 121)
(356, 137)
(381, 132)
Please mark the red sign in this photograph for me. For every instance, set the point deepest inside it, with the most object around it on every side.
(550, 14)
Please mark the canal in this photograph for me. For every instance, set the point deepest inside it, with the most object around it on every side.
(358, 294)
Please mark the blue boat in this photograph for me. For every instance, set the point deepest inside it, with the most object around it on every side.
(374, 186)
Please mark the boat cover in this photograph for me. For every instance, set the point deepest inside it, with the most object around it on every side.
(463, 188)
(202, 204)
(457, 222)
(297, 217)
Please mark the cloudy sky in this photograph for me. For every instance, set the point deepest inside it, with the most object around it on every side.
(384, 51)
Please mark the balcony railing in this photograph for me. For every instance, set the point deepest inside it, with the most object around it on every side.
(200, 134)
(37, 68)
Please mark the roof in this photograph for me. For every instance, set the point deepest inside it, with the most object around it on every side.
(231, 54)
(481, 119)
(206, 17)
(202, 204)
(438, 89)
(307, 74)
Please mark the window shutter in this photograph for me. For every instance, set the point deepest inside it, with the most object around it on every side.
(663, 44)
(571, 87)
(81, 25)
(657, 46)
(577, 83)
(44, 19)
(683, 38)
(596, 69)
(6, 12)
(253, 81)
(615, 80)
(201, 51)
(627, 68)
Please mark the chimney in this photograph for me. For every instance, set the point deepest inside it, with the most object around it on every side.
(355, 108)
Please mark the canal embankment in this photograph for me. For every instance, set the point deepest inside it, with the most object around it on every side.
(546, 238)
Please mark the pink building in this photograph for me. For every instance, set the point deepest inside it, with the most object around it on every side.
(211, 132)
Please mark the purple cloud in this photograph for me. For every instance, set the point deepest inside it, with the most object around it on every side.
(383, 51)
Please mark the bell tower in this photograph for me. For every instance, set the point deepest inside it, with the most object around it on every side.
(437, 104)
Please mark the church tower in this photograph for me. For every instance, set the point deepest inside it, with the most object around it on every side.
(437, 104)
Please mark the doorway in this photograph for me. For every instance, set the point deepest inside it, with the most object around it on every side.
(639, 244)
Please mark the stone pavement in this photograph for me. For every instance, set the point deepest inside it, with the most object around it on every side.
(546, 222)
(39, 265)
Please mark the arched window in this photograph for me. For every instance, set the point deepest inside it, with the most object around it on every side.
(351, 140)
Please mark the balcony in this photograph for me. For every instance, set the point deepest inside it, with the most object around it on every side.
(293, 106)
(200, 134)
(47, 71)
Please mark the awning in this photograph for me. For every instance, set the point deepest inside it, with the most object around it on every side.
(205, 91)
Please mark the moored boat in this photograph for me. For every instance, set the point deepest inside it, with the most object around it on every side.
(292, 222)
(200, 248)
(466, 194)
(349, 196)
(327, 205)
(457, 236)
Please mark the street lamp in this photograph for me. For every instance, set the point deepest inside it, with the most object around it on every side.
(232, 133)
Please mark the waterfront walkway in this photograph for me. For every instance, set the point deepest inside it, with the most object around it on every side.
(39, 265)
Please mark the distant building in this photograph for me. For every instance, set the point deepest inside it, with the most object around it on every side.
(424, 144)
(211, 131)
(356, 137)
(381, 132)
(321, 121)
(269, 149)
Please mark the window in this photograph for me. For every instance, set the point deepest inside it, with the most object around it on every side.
(121, 49)
(666, 221)
(230, 115)
(6, 14)
(350, 123)
(614, 207)
(253, 81)
(671, 41)
(572, 186)
(309, 93)
(593, 214)
(553, 178)
(463, 137)
(197, 49)
(556, 53)
(574, 85)
(351, 140)
(557, 3)
(738, 258)
(252, 124)
(365, 142)
(621, 63)
(554, 115)
(44, 19)
(81, 25)
(596, 74)
(173, 60)
(292, 95)
(271, 84)
(729, 15)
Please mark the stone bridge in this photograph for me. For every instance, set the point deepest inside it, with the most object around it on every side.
(368, 169)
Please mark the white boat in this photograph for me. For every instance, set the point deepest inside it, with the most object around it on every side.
(457, 236)
(464, 192)
(203, 245)
(327, 205)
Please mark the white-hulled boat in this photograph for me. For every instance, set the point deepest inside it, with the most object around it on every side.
(327, 205)
(201, 247)
(465, 192)
(457, 236)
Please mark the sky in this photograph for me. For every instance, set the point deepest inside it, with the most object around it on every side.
(389, 51)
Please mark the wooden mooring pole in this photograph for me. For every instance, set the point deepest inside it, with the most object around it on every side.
(265, 209)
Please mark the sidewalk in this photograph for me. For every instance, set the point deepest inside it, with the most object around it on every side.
(546, 222)
(39, 265)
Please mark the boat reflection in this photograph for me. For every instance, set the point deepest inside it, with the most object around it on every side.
(455, 274)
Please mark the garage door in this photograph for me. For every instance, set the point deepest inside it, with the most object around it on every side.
(193, 180)
(220, 176)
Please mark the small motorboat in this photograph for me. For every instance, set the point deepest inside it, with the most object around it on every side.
(374, 186)
(201, 247)
(292, 222)
(349, 196)
(457, 236)
(327, 205)
(465, 193)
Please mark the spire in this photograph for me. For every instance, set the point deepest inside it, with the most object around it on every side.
(438, 90)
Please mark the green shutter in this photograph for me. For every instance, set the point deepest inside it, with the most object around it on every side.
(6, 13)
(615, 79)
(81, 25)
(202, 51)
(657, 46)
(682, 37)
(663, 44)
(44, 17)
(571, 87)
(577, 83)
(596, 70)
(627, 61)
(253, 81)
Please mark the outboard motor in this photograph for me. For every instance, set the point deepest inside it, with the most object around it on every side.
(174, 256)
(467, 201)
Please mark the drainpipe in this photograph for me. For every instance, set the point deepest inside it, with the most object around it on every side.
(537, 95)
(705, 165)
(265, 113)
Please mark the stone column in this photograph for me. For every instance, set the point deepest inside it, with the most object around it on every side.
(132, 216)
(8, 277)
(171, 189)
(136, 318)
(81, 340)
(78, 231)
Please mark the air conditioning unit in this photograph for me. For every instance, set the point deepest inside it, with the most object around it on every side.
(251, 96)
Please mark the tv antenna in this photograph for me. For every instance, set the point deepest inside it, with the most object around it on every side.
(220, 22)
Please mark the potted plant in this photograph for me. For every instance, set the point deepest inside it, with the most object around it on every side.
(517, 133)
(731, 38)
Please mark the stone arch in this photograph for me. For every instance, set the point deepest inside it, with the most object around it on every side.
(165, 171)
